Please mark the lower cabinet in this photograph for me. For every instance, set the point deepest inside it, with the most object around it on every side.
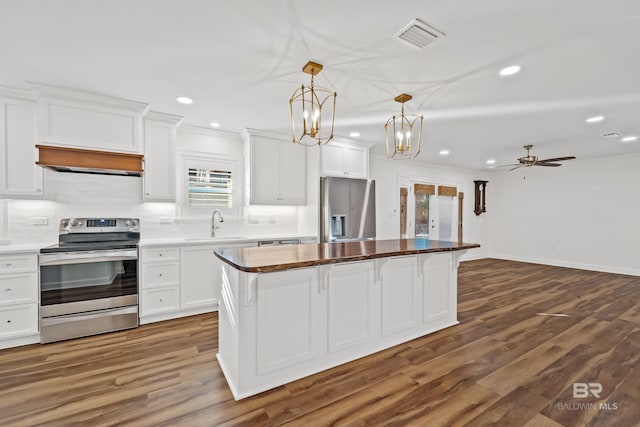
(200, 275)
(159, 301)
(180, 280)
(159, 280)
(18, 299)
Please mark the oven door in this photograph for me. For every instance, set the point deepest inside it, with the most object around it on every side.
(93, 279)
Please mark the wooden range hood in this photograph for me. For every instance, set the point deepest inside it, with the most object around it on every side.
(63, 159)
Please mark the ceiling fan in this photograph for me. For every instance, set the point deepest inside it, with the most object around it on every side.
(530, 160)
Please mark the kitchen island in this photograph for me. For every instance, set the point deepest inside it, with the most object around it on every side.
(290, 311)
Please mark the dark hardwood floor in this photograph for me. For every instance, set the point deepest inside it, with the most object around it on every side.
(503, 365)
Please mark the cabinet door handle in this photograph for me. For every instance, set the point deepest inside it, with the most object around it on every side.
(9, 290)
(160, 274)
(9, 265)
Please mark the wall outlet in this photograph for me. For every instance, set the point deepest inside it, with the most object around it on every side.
(40, 220)
(253, 219)
(272, 220)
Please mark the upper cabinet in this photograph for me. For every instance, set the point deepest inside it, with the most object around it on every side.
(344, 159)
(275, 170)
(159, 157)
(19, 174)
(73, 118)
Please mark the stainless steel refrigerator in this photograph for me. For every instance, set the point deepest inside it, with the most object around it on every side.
(347, 209)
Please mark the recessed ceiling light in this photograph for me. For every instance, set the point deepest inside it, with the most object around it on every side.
(491, 161)
(214, 124)
(354, 134)
(444, 152)
(184, 100)
(510, 70)
(595, 119)
(629, 138)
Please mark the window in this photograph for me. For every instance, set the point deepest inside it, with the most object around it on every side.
(209, 182)
(210, 188)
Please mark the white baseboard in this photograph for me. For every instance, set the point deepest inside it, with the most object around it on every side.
(577, 265)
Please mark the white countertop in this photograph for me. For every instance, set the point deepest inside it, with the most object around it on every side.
(35, 247)
(215, 240)
(22, 248)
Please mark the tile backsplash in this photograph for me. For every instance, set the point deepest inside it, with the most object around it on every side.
(86, 195)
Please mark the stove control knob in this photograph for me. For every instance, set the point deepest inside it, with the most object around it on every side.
(76, 223)
(131, 223)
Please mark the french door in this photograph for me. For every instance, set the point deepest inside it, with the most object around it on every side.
(428, 211)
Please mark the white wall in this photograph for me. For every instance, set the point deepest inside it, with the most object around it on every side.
(73, 195)
(386, 172)
(583, 214)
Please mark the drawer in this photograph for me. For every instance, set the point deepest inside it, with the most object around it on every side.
(18, 263)
(18, 288)
(159, 254)
(17, 320)
(159, 274)
(161, 300)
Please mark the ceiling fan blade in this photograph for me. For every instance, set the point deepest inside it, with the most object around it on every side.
(558, 159)
(517, 167)
(539, 163)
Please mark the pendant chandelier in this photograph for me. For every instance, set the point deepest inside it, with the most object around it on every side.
(400, 132)
(312, 111)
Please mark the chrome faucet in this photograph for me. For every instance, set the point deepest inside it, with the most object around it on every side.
(213, 221)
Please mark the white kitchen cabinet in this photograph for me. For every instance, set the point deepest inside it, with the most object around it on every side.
(401, 305)
(201, 275)
(159, 278)
(286, 301)
(180, 280)
(276, 170)
(159, 274)
(19, 174)
(351, 305)
(344, 160)
(159, 177)
(74, 118)
(439, 299)
(159, 301)
(18, 299)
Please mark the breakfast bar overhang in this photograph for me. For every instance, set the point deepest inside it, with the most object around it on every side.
(287, 312)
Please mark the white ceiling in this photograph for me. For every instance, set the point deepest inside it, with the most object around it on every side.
(240, 60)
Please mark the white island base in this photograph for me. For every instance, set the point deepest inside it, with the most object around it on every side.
(277, 327)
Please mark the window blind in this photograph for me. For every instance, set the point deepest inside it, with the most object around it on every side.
(210, 188)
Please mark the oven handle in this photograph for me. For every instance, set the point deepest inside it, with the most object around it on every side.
(86, 257)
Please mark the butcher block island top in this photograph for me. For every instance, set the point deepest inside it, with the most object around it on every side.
(279, 258)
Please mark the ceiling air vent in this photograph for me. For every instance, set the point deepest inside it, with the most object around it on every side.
(611, 135)
(418, 34)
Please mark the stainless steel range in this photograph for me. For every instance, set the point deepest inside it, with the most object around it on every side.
(89, 280)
